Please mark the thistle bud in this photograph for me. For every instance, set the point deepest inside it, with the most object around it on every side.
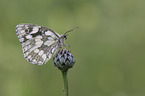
(64, 60)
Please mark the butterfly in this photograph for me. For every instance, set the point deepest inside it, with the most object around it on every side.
(39, 43)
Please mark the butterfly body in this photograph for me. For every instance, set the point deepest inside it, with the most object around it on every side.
(39, 43)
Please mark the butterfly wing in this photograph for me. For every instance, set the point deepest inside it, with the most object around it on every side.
(39, 43)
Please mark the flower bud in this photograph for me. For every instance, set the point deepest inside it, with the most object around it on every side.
(64, 60)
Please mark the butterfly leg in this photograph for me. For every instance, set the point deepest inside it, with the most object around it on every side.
(69, 47)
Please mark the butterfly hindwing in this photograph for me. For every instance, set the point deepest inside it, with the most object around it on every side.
(38, 42)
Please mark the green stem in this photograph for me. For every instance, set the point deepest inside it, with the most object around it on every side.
(65, 89)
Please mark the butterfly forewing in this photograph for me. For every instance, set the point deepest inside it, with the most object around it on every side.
(39, 43)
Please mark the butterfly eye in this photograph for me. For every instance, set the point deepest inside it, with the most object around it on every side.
(65, 37)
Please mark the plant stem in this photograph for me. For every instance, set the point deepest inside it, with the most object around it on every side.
(65, 89)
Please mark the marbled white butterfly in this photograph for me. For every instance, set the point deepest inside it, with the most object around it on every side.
(39, 43)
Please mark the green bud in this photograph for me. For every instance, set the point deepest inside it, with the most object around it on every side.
(64, 60)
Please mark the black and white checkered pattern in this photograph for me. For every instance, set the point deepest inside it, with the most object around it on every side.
(39, 43)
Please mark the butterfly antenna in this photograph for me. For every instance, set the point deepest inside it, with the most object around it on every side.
(71, 30)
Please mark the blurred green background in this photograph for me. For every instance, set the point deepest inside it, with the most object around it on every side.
(109, 47)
